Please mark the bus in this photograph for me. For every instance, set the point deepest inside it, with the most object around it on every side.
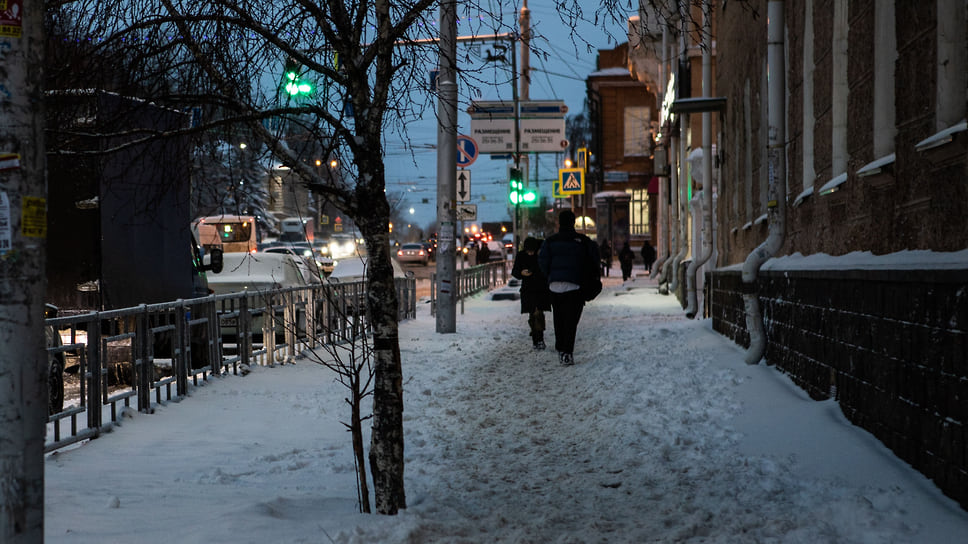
(230, 233)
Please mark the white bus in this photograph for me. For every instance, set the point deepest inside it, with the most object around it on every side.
(230, 233)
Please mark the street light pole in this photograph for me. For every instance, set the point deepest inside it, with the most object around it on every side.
(446, 311)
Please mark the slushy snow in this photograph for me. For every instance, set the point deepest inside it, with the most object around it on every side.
(659, 433)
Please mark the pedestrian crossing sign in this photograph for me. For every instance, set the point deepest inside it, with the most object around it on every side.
(571, 181)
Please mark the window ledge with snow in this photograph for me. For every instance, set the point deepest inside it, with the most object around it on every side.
(881, 165)
(946, 136)
(761, 219)
(833, 185)
(802, 196)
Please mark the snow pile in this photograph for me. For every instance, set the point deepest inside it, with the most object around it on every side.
(659, 433)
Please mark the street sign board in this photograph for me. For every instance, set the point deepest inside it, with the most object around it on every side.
(572, 181)
(467, 212)
(492, 125)
(543, 126)
(466, 151)
(463, 185)
(543, 135)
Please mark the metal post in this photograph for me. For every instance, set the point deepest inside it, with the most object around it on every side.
(447, 167)
(524, 94)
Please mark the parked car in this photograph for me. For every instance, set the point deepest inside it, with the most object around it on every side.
(350, 270)
(305, 252)
(498, 251)
(256, 273)
(413, 253)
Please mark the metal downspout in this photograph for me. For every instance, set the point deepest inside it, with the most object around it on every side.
(663, 209)
(673, 214)
(707, 166)
(683, 204)
(683, 186)
(776, 192)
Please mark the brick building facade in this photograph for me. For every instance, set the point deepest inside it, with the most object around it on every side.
(875, 312)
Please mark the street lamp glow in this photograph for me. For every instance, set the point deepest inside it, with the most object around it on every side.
(411, 211)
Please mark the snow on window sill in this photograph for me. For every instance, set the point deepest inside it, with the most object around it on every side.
(833, 185)
(761, 219)
(878, 166)
(802, 196)
(941, 138)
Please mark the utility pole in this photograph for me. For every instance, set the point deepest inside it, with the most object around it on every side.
(522, 162)
(23, 284)
(446, 310)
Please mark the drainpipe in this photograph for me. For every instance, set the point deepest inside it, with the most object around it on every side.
(673, 215)
(776, 199)
(662, 240)
(683, 177)
(707, 165)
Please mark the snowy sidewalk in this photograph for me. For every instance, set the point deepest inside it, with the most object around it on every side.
(659, 433)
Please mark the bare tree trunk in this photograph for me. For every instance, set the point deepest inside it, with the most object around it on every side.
(386, 441)
(356, 429)
(23, 226)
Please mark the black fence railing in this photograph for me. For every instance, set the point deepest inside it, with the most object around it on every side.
(473, 280)
(146, 355)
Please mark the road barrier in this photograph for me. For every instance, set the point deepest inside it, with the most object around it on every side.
(473, 280)
(150, 354)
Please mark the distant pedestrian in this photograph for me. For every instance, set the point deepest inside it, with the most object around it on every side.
(648, 256)
(566, 258)
(535, 296)
(605, 251)
(483, 253)
(625, 258)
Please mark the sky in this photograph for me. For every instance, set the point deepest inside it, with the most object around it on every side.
(559, 74)
(659, 433)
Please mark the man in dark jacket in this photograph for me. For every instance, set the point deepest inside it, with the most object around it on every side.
(648, 256)
(564, 258)
(535, 297)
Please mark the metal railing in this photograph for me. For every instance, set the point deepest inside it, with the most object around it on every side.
(473, 280)
(149, 354)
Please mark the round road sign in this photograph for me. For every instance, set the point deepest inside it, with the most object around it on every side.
(466, 151)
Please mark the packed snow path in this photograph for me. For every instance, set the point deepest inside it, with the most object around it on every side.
(659, 433)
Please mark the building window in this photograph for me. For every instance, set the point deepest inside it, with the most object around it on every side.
(885, 56)
(637, 131)
(638, 212)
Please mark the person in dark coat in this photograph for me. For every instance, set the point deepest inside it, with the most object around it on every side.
(625, 258)
(483, 253)
(535, 296)
(565, 257)
(648, 256)
(605, 251)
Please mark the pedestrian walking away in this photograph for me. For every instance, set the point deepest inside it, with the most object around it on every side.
(648, 256)
(566, 259)
(605, 251)
(535, 296)
(625, 258)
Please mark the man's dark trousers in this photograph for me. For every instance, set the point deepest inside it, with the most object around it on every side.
(566, 309)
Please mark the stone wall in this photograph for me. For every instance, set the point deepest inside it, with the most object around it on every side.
(891, 346)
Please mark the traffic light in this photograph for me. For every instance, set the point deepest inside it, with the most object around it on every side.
(293, 82)
(517, 193)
